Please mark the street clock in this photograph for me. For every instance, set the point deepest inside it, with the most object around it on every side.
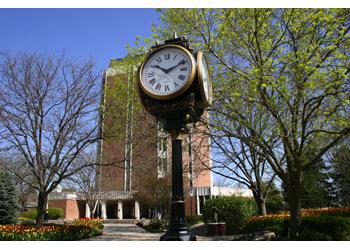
(174, 83)
(175, 87)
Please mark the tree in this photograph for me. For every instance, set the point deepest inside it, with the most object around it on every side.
(48, 116)
(241, 161)
(292, 64)
(156, 195)
(275, 202)
(341, 174)
(85, 181)
(8, 200)
(25, 191)
(314, 185)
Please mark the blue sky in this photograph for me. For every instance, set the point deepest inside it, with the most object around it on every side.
(101, 34)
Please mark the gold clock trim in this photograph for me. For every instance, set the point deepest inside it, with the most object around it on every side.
(206, 99)
(184, 87)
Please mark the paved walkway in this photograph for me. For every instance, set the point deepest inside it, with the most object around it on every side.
(132, 232)
(125, 232)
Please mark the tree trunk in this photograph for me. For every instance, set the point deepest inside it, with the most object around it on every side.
(23, 204)
(42, 203)
(91, 213)
(91, 208)
(260, 203)
(262, 207)
(295, 209)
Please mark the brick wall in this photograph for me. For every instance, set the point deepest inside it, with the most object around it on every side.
(190, 206)
(112, 173)
(144, 150)
(70, 208)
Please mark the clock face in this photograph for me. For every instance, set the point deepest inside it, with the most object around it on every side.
(204, 79)
(167, 72)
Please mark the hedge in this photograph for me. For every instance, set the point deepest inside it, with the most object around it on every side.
(232, 210)
(55, 213)
(324, 227)
(31, 214)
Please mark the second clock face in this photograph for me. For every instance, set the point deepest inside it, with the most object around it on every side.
(204, 79)
(167, 73)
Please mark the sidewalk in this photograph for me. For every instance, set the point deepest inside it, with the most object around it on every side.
(125, 232)
(132, 232)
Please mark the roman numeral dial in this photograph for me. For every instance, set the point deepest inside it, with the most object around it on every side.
(167, 72)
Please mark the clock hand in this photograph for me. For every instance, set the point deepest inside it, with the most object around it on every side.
(158, 67)
(171, 68)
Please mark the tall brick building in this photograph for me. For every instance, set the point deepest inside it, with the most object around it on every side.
(136, 149)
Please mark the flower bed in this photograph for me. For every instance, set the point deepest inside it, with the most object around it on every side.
(322, 223)
(88, 222)
(304, 213)
(77, 230)
(333, 211)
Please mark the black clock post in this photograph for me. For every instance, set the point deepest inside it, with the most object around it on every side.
(177, 229)
(175, 110)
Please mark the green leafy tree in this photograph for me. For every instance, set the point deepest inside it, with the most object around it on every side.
(291, 64)
(236, 158)
(275, 202)
(8, 200)
(341, 174)
(242, 163)
(314, 185)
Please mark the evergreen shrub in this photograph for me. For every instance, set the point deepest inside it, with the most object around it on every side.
(275, 205)
(334, 227)
(8, 200)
